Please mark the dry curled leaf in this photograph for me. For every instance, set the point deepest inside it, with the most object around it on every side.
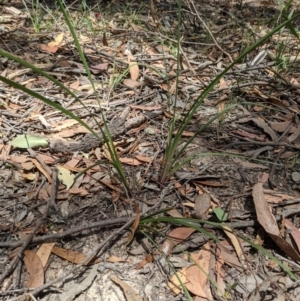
(197, 275)
(129, 292)
(44, 252)
(268, 222)
(147, 259)
(35, 269)
(70, 255)
(175, 237)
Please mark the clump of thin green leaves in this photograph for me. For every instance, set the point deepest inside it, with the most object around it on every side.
(173, 154)
(112, 151)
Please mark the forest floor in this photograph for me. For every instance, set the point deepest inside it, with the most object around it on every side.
(248, 168)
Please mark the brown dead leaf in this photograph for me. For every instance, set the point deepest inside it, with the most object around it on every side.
(57, 41)
(188, 204)
(144, 159)
(29, 176)
(250, 165)
(223, 85)
(5, 150)
(100, 68)
(282, 103)
(49, 49)
(133, 68)
(114, 259)
(136, 27)
(275, 197)
(130, 83)
(28, 165)
(197, 298)
(249, 135)
(42, 170)
(13, 10)
(220, 276)
(186, 134)
(73, 162)
(145, 108)
(202, 205)
(174, 213)
(35, 269)
(129, 292)
(230, 258)
(147, 259)
(295, 135)
(109, 184)
(175, 237)
(268, 222)
(81, 191)
(194, 275)
(47, 159)
(281, 126)
(264, 177)
(130, 161)
(212, 183)
(71, 132)
(235, 242)
(70, 255)
(165, 87)
(115, 196)
(258, 108)
(136, 221)
(295, 232)
(174, 283)
(75, 85)
(19, 159)
(104, 40)
(197, 275)
(44, 252)
(42, 195)
(263, 125)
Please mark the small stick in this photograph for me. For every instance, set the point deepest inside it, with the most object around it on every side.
(287, 145)
(94, 253)
(210, 33)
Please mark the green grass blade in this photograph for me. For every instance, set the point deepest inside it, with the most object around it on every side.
(271, 256)
(192, 223)
(106, 133)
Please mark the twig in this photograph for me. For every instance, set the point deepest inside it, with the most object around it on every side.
(54, 189)
(255, 153)
(98, 248)
(291, 262)
(273, 167)
(238, 86)
(186, 58)
(287, 145)
(55, 236)
(38, 158)
(210, 33)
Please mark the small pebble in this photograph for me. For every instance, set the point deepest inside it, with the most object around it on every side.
(296, 176)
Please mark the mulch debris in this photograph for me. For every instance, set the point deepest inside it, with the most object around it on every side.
(66, 238)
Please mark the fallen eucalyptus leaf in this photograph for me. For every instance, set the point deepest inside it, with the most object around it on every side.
(29, 141)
